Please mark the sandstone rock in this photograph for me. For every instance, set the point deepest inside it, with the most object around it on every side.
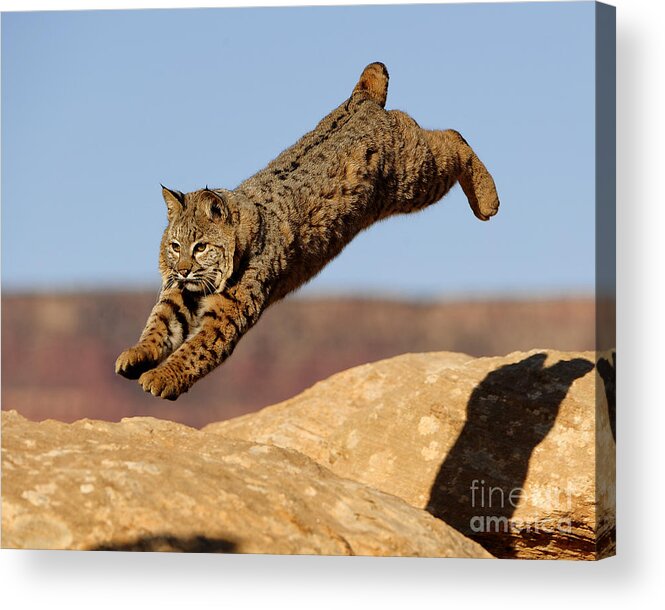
(146, 484)
(517, 452)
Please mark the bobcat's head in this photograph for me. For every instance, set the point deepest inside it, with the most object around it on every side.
(199, 243)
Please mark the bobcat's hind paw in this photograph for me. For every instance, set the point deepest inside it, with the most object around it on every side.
(163, 382)
(136, 360)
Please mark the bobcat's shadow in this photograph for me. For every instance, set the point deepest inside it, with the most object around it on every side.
(608, 373)
(509, 413)
(168, 543)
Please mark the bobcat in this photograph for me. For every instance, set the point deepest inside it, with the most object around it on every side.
(227, 255)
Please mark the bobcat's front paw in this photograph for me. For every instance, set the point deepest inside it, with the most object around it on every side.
(136, 360)
(164, 381)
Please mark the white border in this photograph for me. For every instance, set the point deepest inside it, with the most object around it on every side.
(107, 580)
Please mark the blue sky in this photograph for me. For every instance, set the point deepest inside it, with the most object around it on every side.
(99, 107)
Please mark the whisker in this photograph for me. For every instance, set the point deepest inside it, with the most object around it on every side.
(197, 277)
(204, 280)
(208, 284)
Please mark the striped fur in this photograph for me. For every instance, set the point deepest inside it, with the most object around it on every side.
(227, 255)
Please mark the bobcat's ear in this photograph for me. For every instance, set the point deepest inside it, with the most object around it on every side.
(216, 207)
(175, 201)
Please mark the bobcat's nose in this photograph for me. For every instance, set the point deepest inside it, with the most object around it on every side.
(183, 273)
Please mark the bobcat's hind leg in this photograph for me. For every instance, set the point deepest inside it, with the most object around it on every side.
(455, 158)
(373, 84)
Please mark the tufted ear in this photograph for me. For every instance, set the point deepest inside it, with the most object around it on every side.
(215, 205)
(175, 201)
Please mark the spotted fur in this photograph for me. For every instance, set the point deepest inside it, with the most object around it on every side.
(227, 255)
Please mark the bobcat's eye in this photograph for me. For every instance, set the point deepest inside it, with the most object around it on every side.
(175, 246)
(198, 248)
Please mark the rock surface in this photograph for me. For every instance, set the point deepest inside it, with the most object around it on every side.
(423, 455)
(147, 484)
(517, 452)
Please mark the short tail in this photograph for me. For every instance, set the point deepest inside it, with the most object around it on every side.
(373, 83)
